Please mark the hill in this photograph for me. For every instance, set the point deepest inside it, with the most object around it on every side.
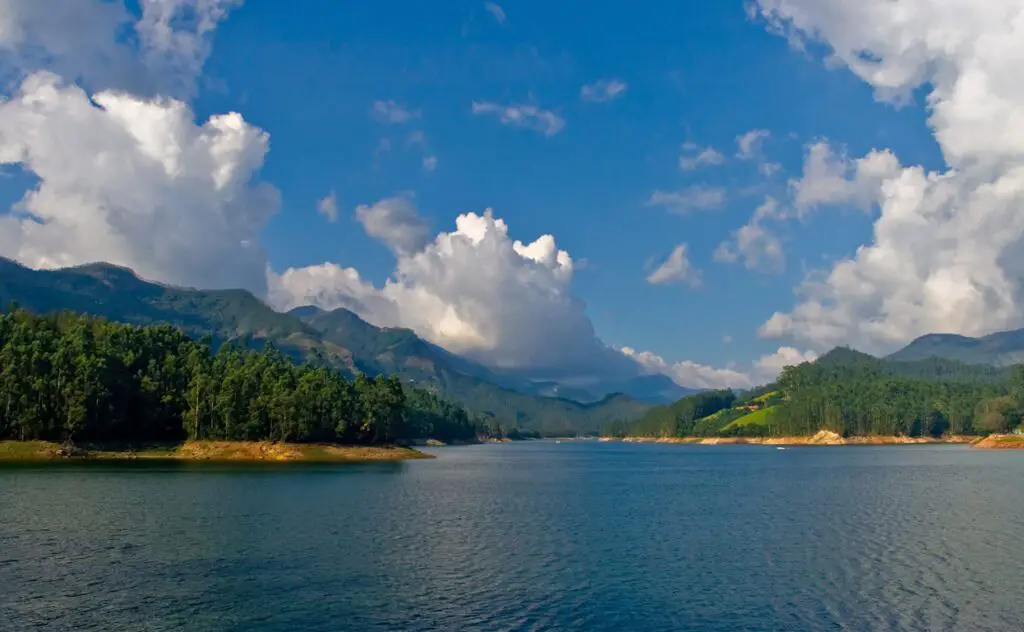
(852, 394)
(1004, 348)
(338, 338)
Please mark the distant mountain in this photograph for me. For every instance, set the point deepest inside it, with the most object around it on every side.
(927, 368)
(1000, 349)
(339, 338)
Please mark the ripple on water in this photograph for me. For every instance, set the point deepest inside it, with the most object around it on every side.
(580, 536)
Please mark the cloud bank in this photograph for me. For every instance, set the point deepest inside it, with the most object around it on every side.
(946, 251)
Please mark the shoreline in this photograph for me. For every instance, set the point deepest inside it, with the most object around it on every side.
(210, 451)
(826, 438)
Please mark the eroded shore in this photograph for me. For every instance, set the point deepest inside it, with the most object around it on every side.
(827, 438)
(240, 451)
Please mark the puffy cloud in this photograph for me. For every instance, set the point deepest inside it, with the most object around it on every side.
(328, 207)
(392, 113)
(755, 243)
(430, 163)
(528, 117)
(474, 291)
(708, 157)
(695, 198)
(693, 375)
(831, 178)
(395, 222)
(330, 286)
(136, 182)
(495, 10)
(603, 90)
(945, 254)
(84, 40)
(750, 146)
(676, 269)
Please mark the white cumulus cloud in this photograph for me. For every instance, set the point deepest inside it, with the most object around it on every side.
(475, 291)
(831, 178)
(135, 182)
(528, 117)
(677, 268)
(755, 242)
(945, 254)
(84, 40)
(396, 222)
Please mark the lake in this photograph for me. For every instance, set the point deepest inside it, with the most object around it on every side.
(525, 536)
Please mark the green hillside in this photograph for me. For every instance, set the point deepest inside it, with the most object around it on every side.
(852, 394)
(339, 338)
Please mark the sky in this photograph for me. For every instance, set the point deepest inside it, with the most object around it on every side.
(709, 190)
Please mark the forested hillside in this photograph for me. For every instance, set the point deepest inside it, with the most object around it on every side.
(338, 339)
(852, 394)
(69, 377)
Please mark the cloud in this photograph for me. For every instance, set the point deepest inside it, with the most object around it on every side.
(429, 163)
(395, 222)
(945, 250)
(85, 40)
(693, 375)
(750, 146)
(676, 269)
(475, 291)
(392, 113)
(495, 10)
(695, 198)
(755, 243)
(328, 207)
(136, 182)
(831, 178)
(603, 90)
(528, 117)
(708, 157)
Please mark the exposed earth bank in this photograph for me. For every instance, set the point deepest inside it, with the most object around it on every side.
(823, 437)
(207, 451)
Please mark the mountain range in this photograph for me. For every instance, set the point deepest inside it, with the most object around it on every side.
(1004, 348)
(339, 338)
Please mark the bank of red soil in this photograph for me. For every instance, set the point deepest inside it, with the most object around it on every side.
(823, 437)
(251, 451)
(1001, 442)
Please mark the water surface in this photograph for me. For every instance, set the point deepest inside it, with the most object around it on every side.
(527, 536)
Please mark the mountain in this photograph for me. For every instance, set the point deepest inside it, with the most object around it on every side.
(1000, 349)
(339, 338)
(929, 368)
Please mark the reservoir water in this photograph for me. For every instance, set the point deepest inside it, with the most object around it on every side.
(526, 536)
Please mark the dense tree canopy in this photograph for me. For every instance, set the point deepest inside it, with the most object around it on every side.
(70, 377)
(851, 394)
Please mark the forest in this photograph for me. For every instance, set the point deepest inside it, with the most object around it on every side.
(67, 377)
(852, 394)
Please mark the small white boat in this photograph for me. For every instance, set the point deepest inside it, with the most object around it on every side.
(780, 448)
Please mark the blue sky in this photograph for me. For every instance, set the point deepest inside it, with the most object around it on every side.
(696, 71)
(404, 107)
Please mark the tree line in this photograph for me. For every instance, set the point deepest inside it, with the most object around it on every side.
(851, 394)
(69, 377)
